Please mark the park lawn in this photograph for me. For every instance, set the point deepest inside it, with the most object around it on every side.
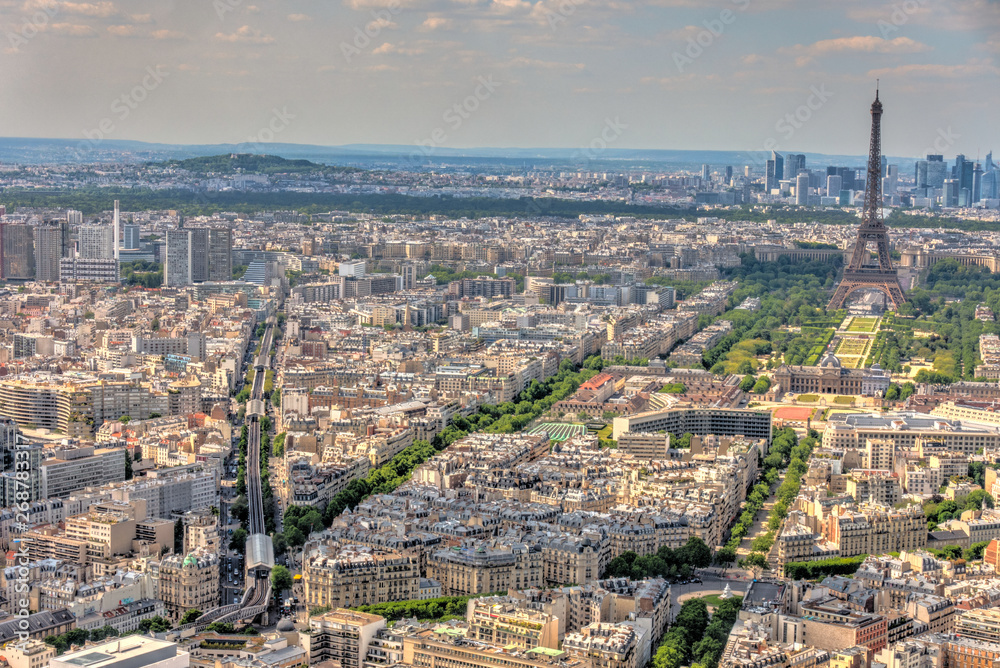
(862, 325)
(809, 397)
(845, 401)
(712, 600)
(605, 433)
(852, 346)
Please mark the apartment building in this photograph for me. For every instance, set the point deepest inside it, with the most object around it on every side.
(907, 431)
(645, 446)
(983, 624)
(189, 582)
(342, 636)
(31, 653)
(481, 570)
(166, 491)
(353, 575)
(574, 559)
(68, 469)
(76, 406)
(429, 648)
(499, 621)
(605, 645)
(875, 529)
(699, 421)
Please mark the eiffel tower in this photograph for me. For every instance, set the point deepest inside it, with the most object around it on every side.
(857, 274)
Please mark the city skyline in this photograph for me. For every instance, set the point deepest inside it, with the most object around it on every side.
(673, 74)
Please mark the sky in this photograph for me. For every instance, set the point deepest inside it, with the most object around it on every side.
(742, 75)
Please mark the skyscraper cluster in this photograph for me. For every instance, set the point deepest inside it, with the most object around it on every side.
(196, 255)
(964, 184)
(784, 173)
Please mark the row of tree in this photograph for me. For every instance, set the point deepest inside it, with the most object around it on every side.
(779, 456)
(952, 552)
(426, 609)
(75, 637)
(797, 466)
(665, 563)
(814, 570)
(692, 640)
(506, 418)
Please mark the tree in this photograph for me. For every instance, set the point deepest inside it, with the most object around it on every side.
(280, 544)
(190, 616)
(747, 383)
(294, 537)
(106, 631)
(238, 541)
(128, 467)
(975, 499)
(726, 555)
(281, 579)
(221, 627)
(762, 385)
(125, 419)
(278, 445)
(240, 509)
(975, 551)
(178, 537)
(755, 562)
(155, 624)
(695, 553)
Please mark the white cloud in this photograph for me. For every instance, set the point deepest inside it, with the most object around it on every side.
(123, 31)
(246, 35)
(972, 68)
(436, 23)
(299, 18)
(401, 50)
(537, 64)
(73, 30)
(174, 35)
(804, 54)
(379, 24)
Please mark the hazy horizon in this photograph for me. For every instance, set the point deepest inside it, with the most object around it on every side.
(730, 75)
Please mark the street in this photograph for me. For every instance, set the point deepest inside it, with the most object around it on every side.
(738, 581)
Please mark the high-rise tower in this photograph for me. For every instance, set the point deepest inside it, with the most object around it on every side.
(858, 275)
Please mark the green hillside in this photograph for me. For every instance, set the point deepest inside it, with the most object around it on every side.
(247, 163)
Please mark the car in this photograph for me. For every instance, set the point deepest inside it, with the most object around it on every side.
(696, 580)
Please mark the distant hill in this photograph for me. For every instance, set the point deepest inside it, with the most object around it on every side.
(247, 163)
(28, 151)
